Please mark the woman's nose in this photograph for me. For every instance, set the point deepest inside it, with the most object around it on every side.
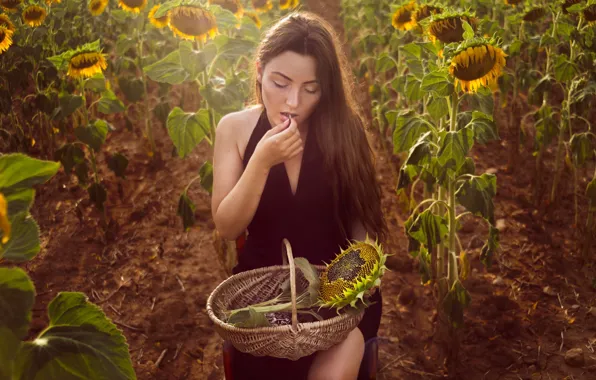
(293, 97)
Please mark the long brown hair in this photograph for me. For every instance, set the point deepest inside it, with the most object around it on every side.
(348, 156)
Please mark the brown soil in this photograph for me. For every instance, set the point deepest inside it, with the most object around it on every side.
(153, 279)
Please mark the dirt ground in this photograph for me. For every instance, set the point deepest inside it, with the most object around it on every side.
(153, 279)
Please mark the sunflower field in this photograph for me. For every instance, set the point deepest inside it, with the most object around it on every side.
(481, 116)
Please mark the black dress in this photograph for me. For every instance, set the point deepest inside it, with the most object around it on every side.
(306, 219)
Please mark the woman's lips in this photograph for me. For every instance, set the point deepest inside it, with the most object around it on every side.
(284, 116)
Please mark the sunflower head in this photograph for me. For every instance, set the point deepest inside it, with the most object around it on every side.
(477, 63)
(261, 5)
(534, 14)
(34, 15)
(254, 17)
(233, 6)
(448, 27)
(590, 14)
(96, 7)
(402, 18)
(86, 64)
(10, 5)
(192, 22)
(50, 2)
(5, 38)
(513, 2)
(425, 11)
(351, 274)
(6, 22)
(568, 3)
(132, 6)
(158, 22)
(4, 222)
(288, 4)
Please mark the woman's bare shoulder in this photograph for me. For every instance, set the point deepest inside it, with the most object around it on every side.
(240, 124)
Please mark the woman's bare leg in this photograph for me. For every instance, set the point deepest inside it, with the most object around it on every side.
(340, 362)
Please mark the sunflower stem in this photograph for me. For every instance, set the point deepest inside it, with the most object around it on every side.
(148, 129)
(564, 123)
(452, 263)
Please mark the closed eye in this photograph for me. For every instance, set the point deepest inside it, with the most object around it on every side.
(279, 85)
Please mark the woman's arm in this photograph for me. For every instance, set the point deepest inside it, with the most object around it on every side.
(359, 232)
(236, 194)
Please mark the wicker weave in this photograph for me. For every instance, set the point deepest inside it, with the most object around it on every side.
(291, 341)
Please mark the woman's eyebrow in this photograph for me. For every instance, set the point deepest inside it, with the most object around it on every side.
(290, 79)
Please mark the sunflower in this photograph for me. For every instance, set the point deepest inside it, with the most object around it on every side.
(402, 17)
(285, 4)
(4, 222)
(132, 6)
(50, 2)
(513, 2)
(568, 3)
(6, 22)
(254, 17)
(449, 27)
(10, 5)
(5, 38)
(261, 5)
(86, 64)
(425, 11)
(477, 64)
(534, 14)
(233, 6)
(351, 274)
(96, 7)
(34, 15)
(590, 14)
(192, 22)
(158, 22)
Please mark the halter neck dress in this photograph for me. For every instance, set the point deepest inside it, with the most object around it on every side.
(306, 219)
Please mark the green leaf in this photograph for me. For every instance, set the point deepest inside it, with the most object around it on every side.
(68, 104)
(476, 195)
(132, 88)
(437, 107)
(412, 49)
(118, 164)
(454, 303)
(514, 48)
(206, 173)
(124, 43)
(481, 101)
(564, 69)
(438, 83)
(17, 296)
(249, 318)
(582, 149)
(69, 155)
(384, 62)
(24, 239)
(546, 126)
(311, 275)
(167, 70)
(18, 171)
(195, 61)
(109, 103)
(420, 153)
(424, 266)
(225, 98)
(94, 134)
(96, 83)
(483, 127)
(82, 172)
(413, 91)
(230, 49)
(186, 210)
(161, 112)
(455, 146)
(591, 194)
(490, 247)
(97, 194)
(20, 201)
(468, 31)
(187, 129)
(428, 229)
(80, 343)
(576, 8)
(408, 129)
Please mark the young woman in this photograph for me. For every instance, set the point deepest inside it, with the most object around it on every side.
(298, 165)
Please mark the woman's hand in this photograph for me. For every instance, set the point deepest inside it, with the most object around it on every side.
(279, 144)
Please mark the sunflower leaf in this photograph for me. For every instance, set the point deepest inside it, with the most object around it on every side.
(24, 241)
(96, 83)
(455, 146)
(94, 134)
(312, 276)
(412, 49)
(454, 303)
(564, 69)
(438, 83)
(20, 201)
(206, 173)
(591, 194)
(187, 129)
(76, 326)
(186, 211)
(18, 171)
(167, 70)
(98, 195)
(413, 91)
(490, 247)
(133, 89)
(68, 105)
(408, 129)
(483, 127)
(428, 229)
(17, 296)
(582, 148)
(384, 62)
(476, 195)
(226, 95)
(109, 103)
(468, 31)
(118, 163)
(195, 61)
(420, 153)
(437, 107)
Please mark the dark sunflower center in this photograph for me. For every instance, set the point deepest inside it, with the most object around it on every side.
(193, 23)
(449, 30)
(475, 70)
(229, 5)
(426, 11)
(10, 4)
(133, 3)
(404, 16)
(33, 14)
(96, 5)
(83, 63)
(534, 14)
(347, 267)
(590, 13)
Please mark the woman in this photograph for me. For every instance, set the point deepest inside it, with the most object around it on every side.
(298, 166)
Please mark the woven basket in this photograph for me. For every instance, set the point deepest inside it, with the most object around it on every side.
(291, 341)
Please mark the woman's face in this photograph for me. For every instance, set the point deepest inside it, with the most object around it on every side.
(290, 86)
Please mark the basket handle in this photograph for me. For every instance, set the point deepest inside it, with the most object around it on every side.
(287, 249)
